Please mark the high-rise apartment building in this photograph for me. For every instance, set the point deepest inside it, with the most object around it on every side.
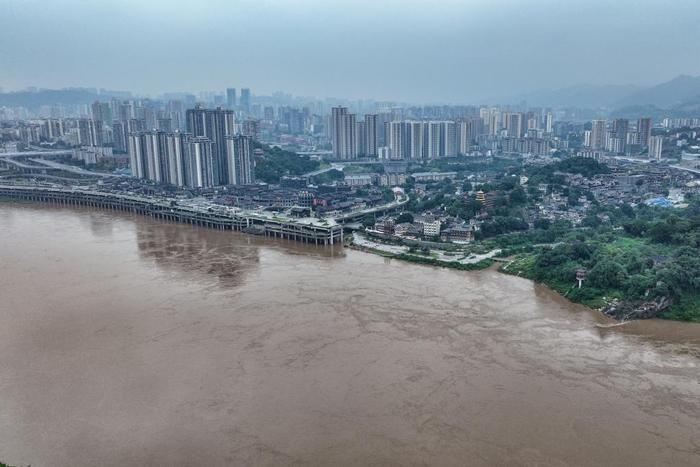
(241, 163)
(343, 134)
(617, 137)
(231, 98)
(371, 123)
(200, 161)
(548, 122)
(156, 152)
(216, 125)
(90, 132)
(245, 100)
(432, 140)
(464, 138)
(174, 158)
(177, 158)
(643, 131)
(656, 145)
(396, 135)
(415, 140)
(598, 134)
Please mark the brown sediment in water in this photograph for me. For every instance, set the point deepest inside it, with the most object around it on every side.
(126, 341)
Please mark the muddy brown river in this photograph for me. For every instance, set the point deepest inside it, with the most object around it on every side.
(126, 341)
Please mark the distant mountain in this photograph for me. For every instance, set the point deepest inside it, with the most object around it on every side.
(585, 96)
(674, 93)
(681, 94)
(35, 99)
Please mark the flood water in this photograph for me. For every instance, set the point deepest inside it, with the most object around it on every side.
(126, 341)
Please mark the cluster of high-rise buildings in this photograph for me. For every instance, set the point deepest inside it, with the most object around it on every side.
(619, 137)
(391, 138)
(210, 152)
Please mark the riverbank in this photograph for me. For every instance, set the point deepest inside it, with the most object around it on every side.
(613, 307)
(454, 260)
(611, 303)
(197, 212)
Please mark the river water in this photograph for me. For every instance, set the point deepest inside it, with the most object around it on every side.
(126, 341)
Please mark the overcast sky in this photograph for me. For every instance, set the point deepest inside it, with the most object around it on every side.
(409, 50)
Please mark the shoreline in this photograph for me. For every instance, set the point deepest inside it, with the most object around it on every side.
(496, 265)
(425, 261)
(483, 264)
(304, 230)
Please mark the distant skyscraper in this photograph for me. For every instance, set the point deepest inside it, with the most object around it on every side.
(464, 137)
(396, 139)
(432, 139)
(598, 133)
(343, 134)
(514, 124)
(370, 149)
(656, 144)
(449, 139)
(618, 135)
(119, 136)
(245, 100)
(231, 98)
(215, 125)
(548, 122)
(643, 131)
(101, 111)
(177, 158)
(361, 138)
(137, 155)
(241, 163)
(200, 159)
(90, 132)
(415, 140)
(156, 156)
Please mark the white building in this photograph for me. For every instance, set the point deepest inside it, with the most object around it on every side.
(431, 228)
(656, 144)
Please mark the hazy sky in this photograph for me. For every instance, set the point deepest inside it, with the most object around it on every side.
(418, 51)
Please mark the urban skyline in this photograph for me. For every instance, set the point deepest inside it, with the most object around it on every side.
(353, 232)
(462, 52)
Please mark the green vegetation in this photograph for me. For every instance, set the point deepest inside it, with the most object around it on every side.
(642, 255)
(363, 169)
(483, 264)
(276, 163)
(574, 165)
(328, 177)
(404, 217)
(464, 164)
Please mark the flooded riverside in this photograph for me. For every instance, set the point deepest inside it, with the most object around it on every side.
(126, 341)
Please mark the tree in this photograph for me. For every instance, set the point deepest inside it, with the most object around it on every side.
(607, 274)
(517, 196)
(660, 232)
(636, 228)
(404, 217)
(542, 223)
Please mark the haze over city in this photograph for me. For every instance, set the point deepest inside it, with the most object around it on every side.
(412, 51)
(349, 233)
